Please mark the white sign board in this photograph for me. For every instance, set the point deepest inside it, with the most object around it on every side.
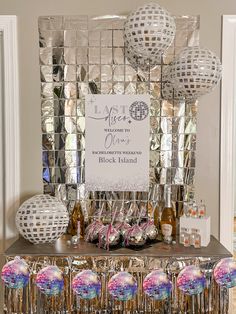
(117, 142)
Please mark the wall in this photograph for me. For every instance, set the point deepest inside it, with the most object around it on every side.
(207, 179)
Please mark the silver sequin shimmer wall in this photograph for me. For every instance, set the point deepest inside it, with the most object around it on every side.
(81, 55)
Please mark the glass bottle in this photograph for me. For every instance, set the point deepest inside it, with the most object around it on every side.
(197, 240)
(76, 220)
(202, 210)
(187, 239)
(194, 211)
(182, 235)
(192, 236)
(168, 219)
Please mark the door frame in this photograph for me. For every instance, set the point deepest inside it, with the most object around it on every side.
(228, 132)
(10, 131)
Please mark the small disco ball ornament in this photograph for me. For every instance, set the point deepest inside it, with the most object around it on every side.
(192, 74)
(191, 280)
(150, 230)
(135, 236)
(122, 286)
(157, 285)
(50, 281)
(92, 231)
(86, 285)
(42, 219)
(15, 274)
(225, 273)
(149, 31)
(109, 237)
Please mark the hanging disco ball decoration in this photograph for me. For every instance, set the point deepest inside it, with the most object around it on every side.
(15, 273)
(42, 219)
(149, 31)
(157, 285)
(191, 280)
(122, 286)
(86, 285)
(192, 74)
(50, 280)
(225, 273)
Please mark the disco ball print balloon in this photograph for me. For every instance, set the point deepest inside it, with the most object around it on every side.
(157, 285)
(86, 285)
(225, 273)
(122, 286)
(15, 274)
(191, 280)
(50, 280)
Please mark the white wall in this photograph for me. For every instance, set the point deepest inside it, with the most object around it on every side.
(210, 11)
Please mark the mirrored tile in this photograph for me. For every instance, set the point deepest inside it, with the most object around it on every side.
(81, 124)
(130, 88)
(106, 73)
(142, 88)
(58, 73)
(70, 55)
(70, 73)
(178, 125)
(82, 73)
(59, 175)
(189, 159)
(70, 90)
(58, 90)
(49, 188)
(94, 55)
(58, 56)
(189, 176)
(80, 108)
(165, 159)
(179, 108)
(71, 175)
(76, 22)
(166, 142)
(155, 90)
(46, 73)
(45, 56)
(82, 38)
(60, 160)
(61, 193)
(83, 90)
(155, 107)
(46, 90)
(71, 142)
(106, 88)
(45, 38)
(154, 142)
(119, 73)
(80, 158)
(59, 141)
(154, 124)
(190, 142)
(165, 125)
(48, 175)
(190, 125)
(130, 74)
(106, 56)
(118, 38)
(106, 38)
(177, 176)
(70, 38)
(80, 142)
(177, 160)
(119, 57)
(154, 159)
(48, 125)
(70, 158)
(48, 142)
(47, 108)
(69, 107)
(82, 55)
(167, 108)
(71, 190)
(94, 73)
(178, 142)
(48, 159)
(155, 74)
(118, 88)
(94, 38)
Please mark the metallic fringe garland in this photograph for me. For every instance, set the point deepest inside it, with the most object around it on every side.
(30, 301)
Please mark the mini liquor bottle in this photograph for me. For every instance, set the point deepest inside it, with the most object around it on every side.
(182, 235)
(194, 211)
(187, 238)
(202, 210)
(197, 240)
(192, 236)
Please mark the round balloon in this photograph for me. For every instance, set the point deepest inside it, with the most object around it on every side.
(86, 285)
(157, 285)
(122, 286)
(15, 274)
(191, 280)
(50, 280)
(225, 273)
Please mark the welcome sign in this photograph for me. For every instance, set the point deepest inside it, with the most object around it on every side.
(117, 142)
